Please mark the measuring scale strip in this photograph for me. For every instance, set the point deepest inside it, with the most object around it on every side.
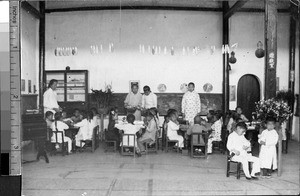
(15, 88)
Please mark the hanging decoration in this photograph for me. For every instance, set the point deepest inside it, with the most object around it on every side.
(260, 52)
(65, 51)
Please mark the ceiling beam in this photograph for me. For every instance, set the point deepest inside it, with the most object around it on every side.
(238, 5)
(28, 7)
(134, 8)
(208, 9)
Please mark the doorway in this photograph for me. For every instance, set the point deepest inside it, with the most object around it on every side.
(248, 92)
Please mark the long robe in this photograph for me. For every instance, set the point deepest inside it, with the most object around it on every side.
(268, 155)
(191, 105)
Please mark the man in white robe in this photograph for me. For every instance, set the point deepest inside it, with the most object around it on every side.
(239, 146)
(50, 98)
(149, 99)
(133, 102)
(191, 104)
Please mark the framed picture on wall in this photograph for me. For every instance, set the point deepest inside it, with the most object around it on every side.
(29, 86)
(232, 91)
(134, 82)
(23, 85)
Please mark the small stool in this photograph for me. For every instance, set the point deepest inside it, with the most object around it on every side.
(110, 145)
(239, 168)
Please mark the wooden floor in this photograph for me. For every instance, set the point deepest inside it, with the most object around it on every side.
(100, 173)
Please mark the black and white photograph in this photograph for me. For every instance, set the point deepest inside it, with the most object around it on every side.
(149, 97)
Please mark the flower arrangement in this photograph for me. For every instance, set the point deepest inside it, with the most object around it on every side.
(103, 97)
(277, 109)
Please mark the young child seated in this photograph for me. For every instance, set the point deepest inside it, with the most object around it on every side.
(232, 122)
(198, 127)
(239, 146)
(77, 117)
(65, 119)
(49, 119)
(268, 156)
(216, 132)
(130, 128)
(172, 128)
(113, 133)
(96, 116)
(239, 111)
(59, 125)
(86, 127)
(150, 132)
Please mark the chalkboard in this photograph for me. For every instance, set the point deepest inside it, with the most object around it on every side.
(166, 101)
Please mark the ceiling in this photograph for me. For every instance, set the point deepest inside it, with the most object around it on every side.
(59, 4)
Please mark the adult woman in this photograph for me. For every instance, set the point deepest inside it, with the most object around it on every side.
(133, 102)
(50, 98)
(191, 104)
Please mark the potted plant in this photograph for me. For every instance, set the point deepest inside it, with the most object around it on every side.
(278, 109)
(103, 98)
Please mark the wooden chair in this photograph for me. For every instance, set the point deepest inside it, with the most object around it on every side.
(92, 143)
(62, 147)
(239, 168)
(196, 142)
(167, 141)
(221, 145)
(126, 137)
(110, 145)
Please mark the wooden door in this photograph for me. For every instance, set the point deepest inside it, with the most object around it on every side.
(248, 92)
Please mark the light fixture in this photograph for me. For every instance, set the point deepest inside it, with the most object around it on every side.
(260, 52)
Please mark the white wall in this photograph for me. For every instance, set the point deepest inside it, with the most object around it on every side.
(29, 52)
(247, 29)
(158, 28)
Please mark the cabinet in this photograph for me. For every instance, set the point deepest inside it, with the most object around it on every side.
(72, 88)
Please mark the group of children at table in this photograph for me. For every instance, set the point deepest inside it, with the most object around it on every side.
(60, 122)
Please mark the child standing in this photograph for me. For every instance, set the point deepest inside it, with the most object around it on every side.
(86, 127)
(173, 127)
(216, 132)
(59, 125)
(268, 156)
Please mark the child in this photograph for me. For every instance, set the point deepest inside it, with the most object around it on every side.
(96, 116)
(268, 140)
(59, 125)
(112, 133)
(172, 128)
(239, 146)
(232, 122)
(239, 111)
(77, 116)
(216, 132)
(198, 127)
(49, 119)
(66, 120)
(150, 133)
(154, 112)
(86, 127)
(130, 128)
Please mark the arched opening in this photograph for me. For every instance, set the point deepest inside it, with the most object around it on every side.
(248, 92)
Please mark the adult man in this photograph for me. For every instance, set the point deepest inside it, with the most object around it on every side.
(50, 98)
(149, 99)
(133, 102)
(191, 104)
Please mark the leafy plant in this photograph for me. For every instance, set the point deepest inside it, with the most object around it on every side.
(277, 109)
(103, 97)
